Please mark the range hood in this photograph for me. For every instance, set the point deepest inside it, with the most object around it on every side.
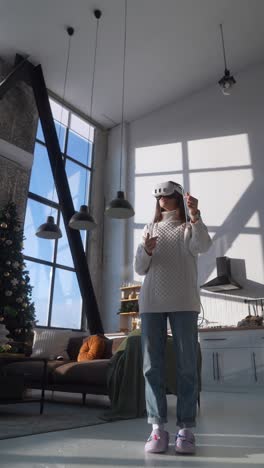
(224, 281)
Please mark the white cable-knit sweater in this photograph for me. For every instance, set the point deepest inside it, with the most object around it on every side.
(170, 284)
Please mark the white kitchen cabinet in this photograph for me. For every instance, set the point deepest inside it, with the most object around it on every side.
(232, 360)
(226, 367)
(258, 365)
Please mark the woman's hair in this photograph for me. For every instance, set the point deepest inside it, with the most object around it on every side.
(180, 206)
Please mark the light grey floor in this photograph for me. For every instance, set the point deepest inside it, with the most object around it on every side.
(229, 433)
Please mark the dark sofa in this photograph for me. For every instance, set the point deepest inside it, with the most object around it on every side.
(68, 375)
(88, 377)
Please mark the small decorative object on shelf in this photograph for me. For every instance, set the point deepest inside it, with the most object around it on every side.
(129, 319)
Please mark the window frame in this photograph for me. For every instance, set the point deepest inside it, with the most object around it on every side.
(50, 203)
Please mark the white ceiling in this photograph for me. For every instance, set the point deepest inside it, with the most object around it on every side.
(173, 48)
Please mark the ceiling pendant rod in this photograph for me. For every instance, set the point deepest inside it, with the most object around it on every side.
(227, 82)
(82, 219)
(120, 208)
(50, 230)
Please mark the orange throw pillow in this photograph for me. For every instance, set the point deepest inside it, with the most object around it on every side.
(93, 348)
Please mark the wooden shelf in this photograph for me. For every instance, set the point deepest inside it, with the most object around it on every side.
(127, 313)
(128, 318)
(129, 300)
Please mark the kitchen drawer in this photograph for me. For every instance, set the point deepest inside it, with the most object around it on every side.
(257, 338)
(226, 339)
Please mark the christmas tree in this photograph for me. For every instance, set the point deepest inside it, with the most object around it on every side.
(17, 310)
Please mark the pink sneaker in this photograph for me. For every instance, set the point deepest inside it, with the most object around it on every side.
(185, 442)
(157, 442)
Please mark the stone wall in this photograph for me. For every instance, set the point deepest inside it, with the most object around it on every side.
(18, 125)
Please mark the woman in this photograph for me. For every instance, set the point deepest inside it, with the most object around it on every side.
(168, 258)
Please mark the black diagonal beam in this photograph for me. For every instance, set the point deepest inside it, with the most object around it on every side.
(25, 71)
(65, 200)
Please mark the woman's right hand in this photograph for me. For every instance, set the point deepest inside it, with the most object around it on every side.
(150, 244)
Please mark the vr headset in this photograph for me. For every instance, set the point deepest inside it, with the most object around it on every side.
(167, 188)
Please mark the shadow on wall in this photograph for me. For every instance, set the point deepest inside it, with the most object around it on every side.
(214, 146)
(250, 289)
(230, 194)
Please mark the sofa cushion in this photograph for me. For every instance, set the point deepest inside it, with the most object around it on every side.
(50, 343)
(74, 345)
(32, 370)
(89, 372)
(94, 347)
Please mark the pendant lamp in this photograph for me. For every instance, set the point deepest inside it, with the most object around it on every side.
(227, 81)
(82, 219)
(50, 230)
(120, 208)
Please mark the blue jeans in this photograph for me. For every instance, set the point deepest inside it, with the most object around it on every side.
(185, 337)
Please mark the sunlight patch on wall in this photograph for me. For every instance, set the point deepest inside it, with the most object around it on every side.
(158, 159)
(219, 192)
(219, 152)
(254, 221)
(145, 202)
(152, 162)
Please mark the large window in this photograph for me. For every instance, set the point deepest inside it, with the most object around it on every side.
(55, 288)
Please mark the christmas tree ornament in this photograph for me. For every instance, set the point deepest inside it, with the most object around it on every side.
(6, 274)
(9, 242)
(8, 293)
(3, 225)
(14, 282)
(8, 262)
(19, 300)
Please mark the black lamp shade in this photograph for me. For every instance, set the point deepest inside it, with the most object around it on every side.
(82, 220)
(119, 208)
(49, 230)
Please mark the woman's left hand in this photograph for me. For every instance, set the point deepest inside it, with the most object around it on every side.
(192, 204)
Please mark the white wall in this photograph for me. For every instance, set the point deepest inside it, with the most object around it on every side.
(115, 267)
(214, 145)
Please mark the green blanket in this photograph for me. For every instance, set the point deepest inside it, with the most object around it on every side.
(126, 384)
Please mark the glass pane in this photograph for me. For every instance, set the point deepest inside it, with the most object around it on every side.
(36, 214)
(77, 177)
(60, 113)
(41, 180)
(40, 135)
(64, 256)
(40, 276)
(61, 133)
(67, 303)
(79, 148)
(81, 127)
